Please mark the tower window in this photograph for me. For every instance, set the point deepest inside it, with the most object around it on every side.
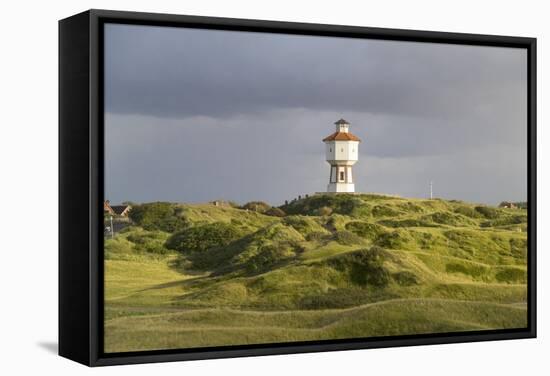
(342, 150)
(341, 175)
(330, 150)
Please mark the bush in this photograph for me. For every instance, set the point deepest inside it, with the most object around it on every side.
(365, 266)
(505, 221)
(304, 225)
(410, 207)
(468, 212)
(275, 212)
(316, 205)
(346, 238)
(384, 211)
(343, 298)
(472, 270)
(203, 237)
(488, 212)
(365, 230)
(269, 256)
(394, 240)
(512, 275)
(323, 211)
(257, 206)
(406, 223)
(317, 236)
(448, 218)
(518, 248)
(424, 239)
(405, 278)
(151, 242)
(159, 216)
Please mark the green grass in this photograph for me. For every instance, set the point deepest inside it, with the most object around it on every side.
(370, 266)
(221, 327)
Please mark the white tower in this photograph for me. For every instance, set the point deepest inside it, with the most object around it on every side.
(342, 151)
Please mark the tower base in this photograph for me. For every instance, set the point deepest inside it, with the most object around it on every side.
(341, 187)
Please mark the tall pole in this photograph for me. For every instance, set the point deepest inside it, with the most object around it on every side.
(112, 228)
(431, 190)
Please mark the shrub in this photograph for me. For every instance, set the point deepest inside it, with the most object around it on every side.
(318, 236)
(346, 238)
(323, 211)
(518, 248)
(275, 212)
(365, 230)
(448, 218)
(405, 278)
(505, 221)
(365, 266)
(269, 256)
(159, 216)
(203, 237)
(406, 223)
(151, 242)
(424, 239)
(512, 275)
(472, 270)
(343, 298)
(257, 206)
(487, 212)
(410, 207)
(384, 211)
(303, 225)
(468, 212)
(397, 239)
(341, 204)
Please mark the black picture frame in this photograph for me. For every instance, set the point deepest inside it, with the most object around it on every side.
(81, 185)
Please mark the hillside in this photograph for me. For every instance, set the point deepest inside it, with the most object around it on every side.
(334, 266)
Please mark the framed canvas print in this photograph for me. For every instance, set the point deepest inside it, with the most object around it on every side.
(236, 187)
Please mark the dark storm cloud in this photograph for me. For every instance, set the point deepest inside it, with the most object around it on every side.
(172, 72)
(195, 115)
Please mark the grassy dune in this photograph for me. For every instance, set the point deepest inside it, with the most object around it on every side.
(342, 266)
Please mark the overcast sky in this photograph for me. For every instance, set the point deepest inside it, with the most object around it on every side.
(197, 115)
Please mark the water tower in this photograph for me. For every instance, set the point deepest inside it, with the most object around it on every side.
(342, 151)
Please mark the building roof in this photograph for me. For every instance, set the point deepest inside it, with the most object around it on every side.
(341, 121)
(120, 209)
(107, 207)
(341, 136)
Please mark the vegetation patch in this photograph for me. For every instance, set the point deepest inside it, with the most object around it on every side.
(409, 222)
(346, 238)
(518, 247)
(161, 216)
(473, 270)
(385, 211)
(511, 275)
(203, 237)
(488, 212)
(342, 298)
(150, 241)
(339, 204)
(270, 256)
(405, 278)
(334, 266)
(448, 218)
(365, 230)
(468, 211)
(397, 239)
(365, 267)
(257, 206)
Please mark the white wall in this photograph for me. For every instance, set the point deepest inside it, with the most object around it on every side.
(342, 150)
(28, 155)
